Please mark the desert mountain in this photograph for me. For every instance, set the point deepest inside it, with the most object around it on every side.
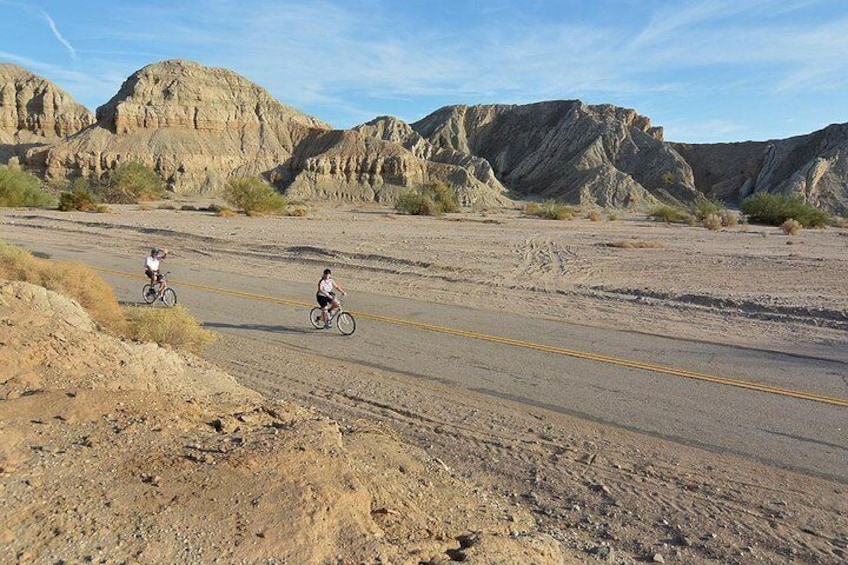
(125, 452)
(814, 166)
(379, 160)
(196, 126)
(598, 155)
(34, 111)
(199, 126)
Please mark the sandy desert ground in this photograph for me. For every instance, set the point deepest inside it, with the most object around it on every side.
(586, 485)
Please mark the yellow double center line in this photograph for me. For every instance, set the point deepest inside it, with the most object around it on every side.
(527, 345)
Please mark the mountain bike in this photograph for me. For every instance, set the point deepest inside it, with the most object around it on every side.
(150, 292)
(343, 320)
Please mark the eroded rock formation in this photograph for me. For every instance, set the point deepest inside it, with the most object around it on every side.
(196, 126)
(813, 166)
(34, 111)
(600, 155)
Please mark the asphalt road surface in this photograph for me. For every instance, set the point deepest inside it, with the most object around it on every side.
(789, 410)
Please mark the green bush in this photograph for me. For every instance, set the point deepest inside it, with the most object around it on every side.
(550, 210)
(432, 200)
(132, 182)
(668, 214)
(81, 199)
(416, 204)
(254, 197)
(20, 188)
(703, 207)
(445, 198)
(774, 209)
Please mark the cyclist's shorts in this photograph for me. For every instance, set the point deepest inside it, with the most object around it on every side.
(323, 301)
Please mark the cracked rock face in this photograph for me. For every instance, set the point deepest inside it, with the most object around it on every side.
(196, 126)
(567, 150)
(814, 166)
(35, 111)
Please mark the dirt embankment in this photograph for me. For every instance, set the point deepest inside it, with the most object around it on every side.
(116, 452)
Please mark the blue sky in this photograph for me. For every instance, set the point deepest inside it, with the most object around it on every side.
(707, 71)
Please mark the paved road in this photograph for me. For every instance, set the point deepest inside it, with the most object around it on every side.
(549, 364)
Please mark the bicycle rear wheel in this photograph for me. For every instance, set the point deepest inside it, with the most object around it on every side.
(169, 297)
(346, 323)
(316, 318)
(148, 293)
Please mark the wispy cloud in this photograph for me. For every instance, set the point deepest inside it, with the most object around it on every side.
(59, 35)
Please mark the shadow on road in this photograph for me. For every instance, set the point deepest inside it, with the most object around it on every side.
(260, 328)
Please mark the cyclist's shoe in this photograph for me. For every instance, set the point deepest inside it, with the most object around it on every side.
(162, 298)
(328, 325)
(151, 292)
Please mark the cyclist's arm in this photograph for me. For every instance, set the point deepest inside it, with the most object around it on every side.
(338, 286)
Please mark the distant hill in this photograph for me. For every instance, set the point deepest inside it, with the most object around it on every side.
(567, 150)
(34, 111)
(199, 126)
(814, 166)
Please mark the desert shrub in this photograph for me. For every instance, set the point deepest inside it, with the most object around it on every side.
(712, 222)
(174, 327)
(668, 214)
(416, 204)
(550, 210)
(729, 218)
(224, 212)
(594, 216)
(635, 244)
(839, 222)
(298, 211)
(254, 197)
(20, 188)
(81, 199)
(432, 200)
(188, 208)
(668, 178)
(75, 280)
(791, 227)
(613, 216)
(444, 197)
(703, 207)
(132, 182)
(775, 209)
(166, 206)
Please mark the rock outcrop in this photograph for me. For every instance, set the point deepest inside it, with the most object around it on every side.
(813, 166)
(34, 111)
(598, 155)
(196, 126)
(379, 160)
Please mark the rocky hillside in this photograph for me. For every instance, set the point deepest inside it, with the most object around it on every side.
(595, 155)
(379, 160)
(199, 126)
(814, 166)
(196, 126)
(34, 111)
(125, 452)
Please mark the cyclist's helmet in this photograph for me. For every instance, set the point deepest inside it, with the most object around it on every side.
(327, 271)
(154, 250)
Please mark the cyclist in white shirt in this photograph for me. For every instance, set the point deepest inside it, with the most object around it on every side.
(151, 268)
(326, 296)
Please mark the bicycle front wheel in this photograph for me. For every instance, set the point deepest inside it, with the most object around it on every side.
(346, 323)
(148, 293)
(169, 297)
(316, 318)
